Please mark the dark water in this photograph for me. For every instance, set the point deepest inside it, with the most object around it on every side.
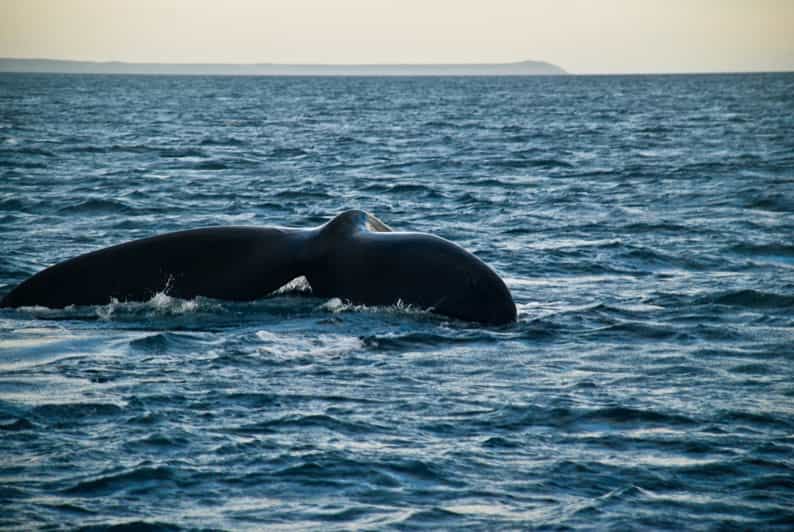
(643, 224)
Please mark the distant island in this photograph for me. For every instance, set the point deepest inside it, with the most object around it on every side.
(57, 66)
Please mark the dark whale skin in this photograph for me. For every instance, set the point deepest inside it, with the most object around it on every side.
(355, 257)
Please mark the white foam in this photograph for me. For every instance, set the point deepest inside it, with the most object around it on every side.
(336, 306)
(298, 344)
(160, 304)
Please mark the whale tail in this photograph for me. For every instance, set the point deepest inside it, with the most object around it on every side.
(355, 256)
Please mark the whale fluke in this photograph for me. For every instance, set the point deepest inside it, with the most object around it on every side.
(355, 257)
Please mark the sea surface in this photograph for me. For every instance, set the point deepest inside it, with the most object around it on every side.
(644, 224)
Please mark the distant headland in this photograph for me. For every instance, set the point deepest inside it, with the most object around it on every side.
(58, 66)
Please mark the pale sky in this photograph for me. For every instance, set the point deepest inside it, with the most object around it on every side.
(582, 36)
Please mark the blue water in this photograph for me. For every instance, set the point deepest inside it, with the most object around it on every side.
(643, 224)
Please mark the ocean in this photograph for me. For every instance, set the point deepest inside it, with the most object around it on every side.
(643, 224)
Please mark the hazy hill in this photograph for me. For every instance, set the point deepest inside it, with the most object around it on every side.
(521, 68)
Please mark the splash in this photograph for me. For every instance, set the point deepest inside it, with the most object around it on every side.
(160, 304)
(336, 305)
(297, 285)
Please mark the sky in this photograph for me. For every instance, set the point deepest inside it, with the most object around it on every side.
(582, 36)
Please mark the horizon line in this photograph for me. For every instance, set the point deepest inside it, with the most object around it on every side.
(386, 64)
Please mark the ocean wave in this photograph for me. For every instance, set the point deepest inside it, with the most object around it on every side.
(14, 205)
(181, 152)
(223, 141)
(122, 480)
(211, 164)
(310, 422)
(133, 148)
(98, 206)
(780, 249)
(541, 163)
(168, 342)
(412, 340)
(771, 202)
(779, 254)
(28, 347)
(632, 416)
(17, 424)
(403, 188)
(334, 468)
(650, 258)
(303, 195)
(88, 148)
(60, 414)
(288, 153)
(495, 182)
(747, 298)
(657, 227)
(292, 346)
(759, 420)
(641, 330)
(28, 150)
(617, 418)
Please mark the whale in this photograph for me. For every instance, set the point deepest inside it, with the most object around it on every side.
(354, 257)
